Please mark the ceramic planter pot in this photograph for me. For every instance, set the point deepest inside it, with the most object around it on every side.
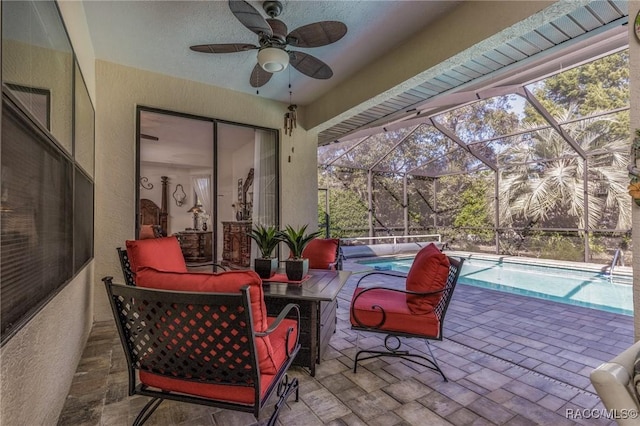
(266, 268)
(296, 269)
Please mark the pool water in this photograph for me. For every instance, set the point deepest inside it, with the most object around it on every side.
(566, 285)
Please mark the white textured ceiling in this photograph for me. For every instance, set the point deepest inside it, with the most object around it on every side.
(156, 35)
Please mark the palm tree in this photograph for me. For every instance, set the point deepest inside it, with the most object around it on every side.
(553, 190)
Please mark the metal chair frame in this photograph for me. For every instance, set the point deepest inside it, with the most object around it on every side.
(146, 320)
(392, 342)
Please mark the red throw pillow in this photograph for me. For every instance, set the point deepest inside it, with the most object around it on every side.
(163, 254)
(322, 253)
(146, 232)
(224, 282)
(429, 272)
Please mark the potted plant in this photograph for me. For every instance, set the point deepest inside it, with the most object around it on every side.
(267, 239)
(297, 239)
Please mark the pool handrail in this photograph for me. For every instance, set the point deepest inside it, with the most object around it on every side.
(618, 257)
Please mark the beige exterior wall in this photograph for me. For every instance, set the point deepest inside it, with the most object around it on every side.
(118, 90)
(39, 362)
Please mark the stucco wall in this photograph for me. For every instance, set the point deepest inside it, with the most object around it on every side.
(118, 90)
(39, 362)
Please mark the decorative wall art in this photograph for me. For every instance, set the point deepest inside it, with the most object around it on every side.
(179, 195)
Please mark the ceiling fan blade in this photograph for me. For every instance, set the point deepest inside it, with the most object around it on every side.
(279, 28)
(310, 65)
(223, 48)
(250, 17)
(259, 77)
(317, 34)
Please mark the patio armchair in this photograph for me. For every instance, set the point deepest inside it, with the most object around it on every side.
(324, 253)
(161, 253)
(415, 311)
(208, 343)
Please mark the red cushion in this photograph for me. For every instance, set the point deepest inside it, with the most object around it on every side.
(224, 282)
(241, 394)
(322, 253)
(146, 232)
(398, 315)
(429, 272)
(163, 254)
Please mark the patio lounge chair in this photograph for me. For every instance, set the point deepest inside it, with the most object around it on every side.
(615, 383)
(213, 345)
(416, 311)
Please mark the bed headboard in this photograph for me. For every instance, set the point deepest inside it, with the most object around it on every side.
(151, 214)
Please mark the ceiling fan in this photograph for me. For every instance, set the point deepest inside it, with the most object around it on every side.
(273, 55)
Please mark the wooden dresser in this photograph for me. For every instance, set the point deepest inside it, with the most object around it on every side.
(196, 246)
(236, 247)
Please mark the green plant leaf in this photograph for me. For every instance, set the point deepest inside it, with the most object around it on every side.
(297, 239)
(267, 239)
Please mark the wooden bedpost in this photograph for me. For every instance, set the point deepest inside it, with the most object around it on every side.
(163, 207)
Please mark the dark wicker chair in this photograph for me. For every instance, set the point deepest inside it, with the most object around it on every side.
(129, 277)
(200, 348)
(386, 312)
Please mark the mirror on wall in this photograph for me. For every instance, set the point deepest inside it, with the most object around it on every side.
(37, 62)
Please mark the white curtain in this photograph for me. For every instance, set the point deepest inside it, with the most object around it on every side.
(202, 187)
(264, 181)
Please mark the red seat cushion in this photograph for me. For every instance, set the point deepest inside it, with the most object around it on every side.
(224, 282)
(163, 254)
(428, 272)
(240, 394)
(322, 253)
(399, 317)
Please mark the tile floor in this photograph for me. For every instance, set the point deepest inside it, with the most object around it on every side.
(510, 360)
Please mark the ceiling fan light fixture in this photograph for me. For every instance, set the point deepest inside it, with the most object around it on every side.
(273, 59)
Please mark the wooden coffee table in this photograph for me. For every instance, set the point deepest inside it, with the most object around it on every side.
(317, 298)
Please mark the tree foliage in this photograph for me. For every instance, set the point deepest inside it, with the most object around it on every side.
(543, 181)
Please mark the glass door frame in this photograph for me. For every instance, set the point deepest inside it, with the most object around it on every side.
(214, 174)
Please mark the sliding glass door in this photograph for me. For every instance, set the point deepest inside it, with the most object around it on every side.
(247, 188)
(207, 182)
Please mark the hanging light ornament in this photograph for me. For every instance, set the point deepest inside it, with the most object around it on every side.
(290, 117)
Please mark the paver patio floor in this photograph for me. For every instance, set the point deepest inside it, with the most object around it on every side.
(510, 360)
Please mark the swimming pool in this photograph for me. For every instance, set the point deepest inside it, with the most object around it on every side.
(590, 289)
